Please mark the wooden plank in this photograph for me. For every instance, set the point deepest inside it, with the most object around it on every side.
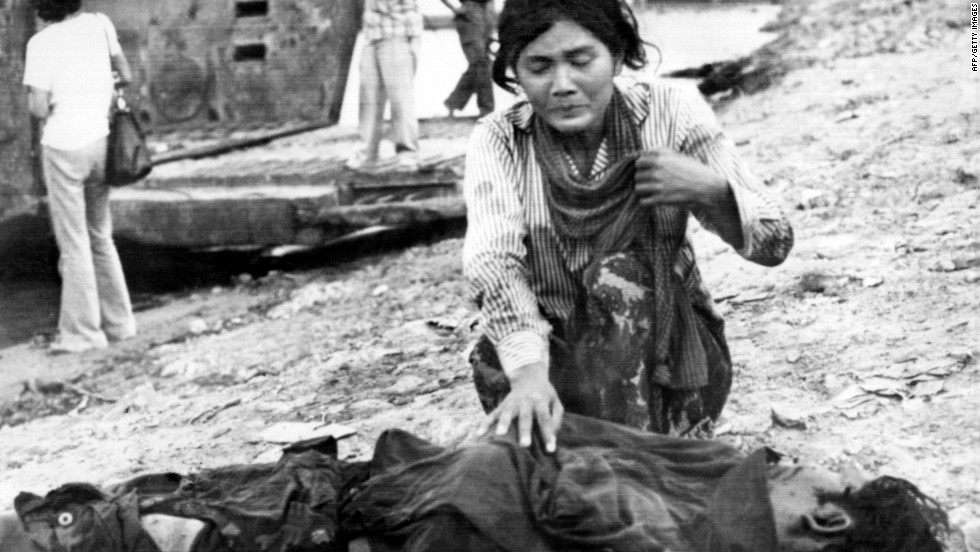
(402, 213)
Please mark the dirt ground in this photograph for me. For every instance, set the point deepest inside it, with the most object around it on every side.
(863, 346)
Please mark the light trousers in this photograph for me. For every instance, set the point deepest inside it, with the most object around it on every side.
(95, 303)
(387, 75)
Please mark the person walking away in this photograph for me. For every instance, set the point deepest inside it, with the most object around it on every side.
(392, 36)
(578, 198)
(68, 75)
(474, 23)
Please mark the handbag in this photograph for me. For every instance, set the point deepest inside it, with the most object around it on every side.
(127, 157)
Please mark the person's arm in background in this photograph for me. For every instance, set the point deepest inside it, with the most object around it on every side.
(38, 102)
(495, 263)
(120, 65)
(456, 8)
(37, 82)
(121, 70)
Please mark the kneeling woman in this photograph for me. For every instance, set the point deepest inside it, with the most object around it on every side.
(578, 199)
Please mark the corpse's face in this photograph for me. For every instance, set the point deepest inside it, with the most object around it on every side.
(805, 521)
(567, 74)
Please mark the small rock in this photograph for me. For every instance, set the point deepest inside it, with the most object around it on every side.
(243, 278)
(783, 417)
(315, 293)
(960, 515)
(965, 177)
(871, 282)
(340, 361)
(750, 297)
(793, 356)
(380, 290)
(834, 384)
(944, 265)
(913, 405)
(817, 282)
(367, 407)
(405, 385)
(197, 326)
(183, 368)
(963, 263)
(814, 199)
(416, 331)
(971, 535)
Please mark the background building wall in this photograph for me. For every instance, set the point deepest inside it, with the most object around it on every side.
(237, 61)
(17, 172)
(195, 63)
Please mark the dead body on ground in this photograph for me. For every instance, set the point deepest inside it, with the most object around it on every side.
(606, 487)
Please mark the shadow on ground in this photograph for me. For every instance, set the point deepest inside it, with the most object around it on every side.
(30, 282)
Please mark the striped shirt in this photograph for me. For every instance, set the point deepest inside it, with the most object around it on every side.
(522, 271)
(384, 19)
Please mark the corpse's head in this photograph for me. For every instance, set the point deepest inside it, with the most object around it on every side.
(815, 509)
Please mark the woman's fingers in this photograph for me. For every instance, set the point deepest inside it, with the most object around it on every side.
(546, 423)
(557, 413)
(525, 422)
(505, 418)
(532, 399)
(488, 421)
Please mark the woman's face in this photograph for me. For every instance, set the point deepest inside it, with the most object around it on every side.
(567, 74)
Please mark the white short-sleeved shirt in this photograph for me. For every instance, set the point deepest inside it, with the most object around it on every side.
(70, 60)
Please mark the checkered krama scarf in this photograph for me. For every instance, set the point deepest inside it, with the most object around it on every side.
(606, 211)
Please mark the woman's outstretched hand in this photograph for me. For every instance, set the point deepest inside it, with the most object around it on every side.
(532, 398)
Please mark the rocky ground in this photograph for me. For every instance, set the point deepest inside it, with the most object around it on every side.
(863, 346)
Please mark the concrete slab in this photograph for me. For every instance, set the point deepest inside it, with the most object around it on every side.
(292, 191)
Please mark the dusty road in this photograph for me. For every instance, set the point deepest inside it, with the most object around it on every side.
(862, 347)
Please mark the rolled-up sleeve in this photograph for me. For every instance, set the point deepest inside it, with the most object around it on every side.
(766, 232)
(495, 253)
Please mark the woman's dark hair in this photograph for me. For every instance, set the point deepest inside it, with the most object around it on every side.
(891, 515)
(522, 21)
(56, 10)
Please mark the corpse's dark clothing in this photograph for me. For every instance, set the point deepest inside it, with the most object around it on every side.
(83, 518)
(287, 506)
(607, 487)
